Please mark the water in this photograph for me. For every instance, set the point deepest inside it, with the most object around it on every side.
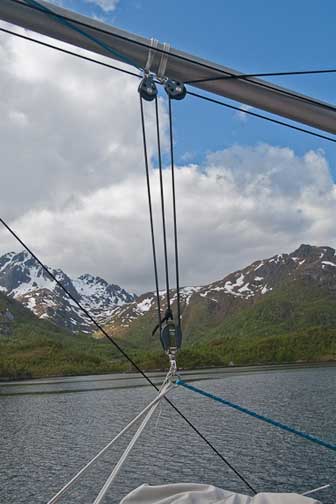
(51, 428)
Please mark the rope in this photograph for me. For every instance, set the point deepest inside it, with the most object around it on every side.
(317, 489)
(147, 378)
(260, 116)
(81, 473)
(196, 95)
(149, 196)
(124, 456)
(210, 445)
(71, 53)
(165, 387)
(162, 203)
(69, 24)
(263, 418)
(174, 211)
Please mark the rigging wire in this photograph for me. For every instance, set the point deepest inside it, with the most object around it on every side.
(172, 163)
(177, 56)
(260, 116)
(241, 76)
(197, 95)
(70, 24)
(163, 213)
(150, 206)
(71, 53)
(267, 74)
(118, 347)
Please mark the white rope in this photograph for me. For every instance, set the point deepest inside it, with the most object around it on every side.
(164, 60)
(154, 43)
(316, 489)
(122, 459)
(163, 392)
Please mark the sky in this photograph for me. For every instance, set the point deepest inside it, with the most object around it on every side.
(72, 181)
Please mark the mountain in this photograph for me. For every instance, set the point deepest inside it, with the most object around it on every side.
(31, 347)
(280, 309)
(25, 280)
(261, 306)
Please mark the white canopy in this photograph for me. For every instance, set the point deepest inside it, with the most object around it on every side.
(193, 493)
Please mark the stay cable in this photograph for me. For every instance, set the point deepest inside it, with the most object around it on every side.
(172, 162)
(197, 95)
(105, 333)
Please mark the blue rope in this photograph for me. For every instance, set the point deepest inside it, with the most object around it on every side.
(282, 426)
(65, 22)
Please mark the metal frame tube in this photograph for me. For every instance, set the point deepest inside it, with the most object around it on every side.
(180, 66)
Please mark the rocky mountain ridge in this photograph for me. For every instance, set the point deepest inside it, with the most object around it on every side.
(213, 303)
(24, 280)
(277, 310)
(125, 314)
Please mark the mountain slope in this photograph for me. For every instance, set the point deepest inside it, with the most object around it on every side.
(30, 347)
(24, 280)
(287, 294)
(281, 309)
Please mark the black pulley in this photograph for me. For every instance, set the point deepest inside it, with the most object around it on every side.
(171, 336)
(147, 88)
(175, 90)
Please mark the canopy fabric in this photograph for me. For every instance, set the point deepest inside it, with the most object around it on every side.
(193, 493)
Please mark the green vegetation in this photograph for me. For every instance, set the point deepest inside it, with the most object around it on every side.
(31, 348)
(37, 356)
(296, 323)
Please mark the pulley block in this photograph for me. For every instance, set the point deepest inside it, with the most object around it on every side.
(175, 90)
(147, 88)
(171, 336)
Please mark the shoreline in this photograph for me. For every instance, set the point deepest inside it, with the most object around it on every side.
(129, 375)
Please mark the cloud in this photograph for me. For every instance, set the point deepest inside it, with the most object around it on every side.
(105, 5)
(241, 115)
(73, 182)
(66, 126)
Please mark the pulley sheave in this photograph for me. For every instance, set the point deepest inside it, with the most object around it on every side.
(147, 88)
(175, 90)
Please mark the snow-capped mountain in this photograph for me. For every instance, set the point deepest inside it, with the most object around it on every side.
(211, 304)
(23, 279)
(125, 314)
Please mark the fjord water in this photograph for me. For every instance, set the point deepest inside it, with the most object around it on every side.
(51, 428)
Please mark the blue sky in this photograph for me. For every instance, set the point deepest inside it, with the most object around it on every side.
(259, 36)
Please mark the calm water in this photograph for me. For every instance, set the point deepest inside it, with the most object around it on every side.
(51, 428)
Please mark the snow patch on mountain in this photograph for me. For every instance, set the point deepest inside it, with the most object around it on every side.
(145, 305)
(26, 281)
(328, 263)
(245, 286)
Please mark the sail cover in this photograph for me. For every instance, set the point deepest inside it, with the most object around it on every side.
(190, 493)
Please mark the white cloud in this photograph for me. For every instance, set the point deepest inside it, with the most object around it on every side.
(241, 115)
(69, 127)
(73, 181)
(105, 5)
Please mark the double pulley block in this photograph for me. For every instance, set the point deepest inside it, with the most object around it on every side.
(148, 89)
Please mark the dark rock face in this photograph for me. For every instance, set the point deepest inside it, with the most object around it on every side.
(24, 280)
(6, 319)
